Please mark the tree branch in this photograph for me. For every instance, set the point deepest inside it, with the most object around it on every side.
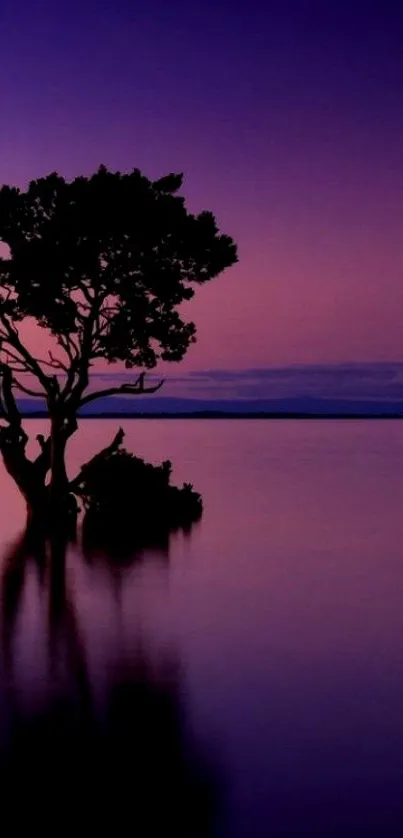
(54, 363)
(73, 353)
(9, 406)
(27, 390)
(73, 390)
(86, 293)
(69, 347)
(15, 358)
(17, 367)
(13, 340)
(42, 462)
(135, 389)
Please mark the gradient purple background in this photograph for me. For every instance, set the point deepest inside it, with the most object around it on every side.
(286, 118)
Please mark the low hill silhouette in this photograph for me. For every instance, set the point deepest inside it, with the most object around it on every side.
(165, 405)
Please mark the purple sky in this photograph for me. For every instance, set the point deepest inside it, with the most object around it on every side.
(287, 119)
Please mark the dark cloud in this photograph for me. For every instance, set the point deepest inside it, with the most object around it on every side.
(380, 371)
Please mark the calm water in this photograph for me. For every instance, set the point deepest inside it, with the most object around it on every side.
(250, 675)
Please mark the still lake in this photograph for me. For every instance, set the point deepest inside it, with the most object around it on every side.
(268, 640)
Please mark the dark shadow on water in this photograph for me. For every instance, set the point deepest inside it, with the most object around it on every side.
(120, 543)
(120, 550)
(118, 759)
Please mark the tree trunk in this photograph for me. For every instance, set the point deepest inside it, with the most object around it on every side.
(20, 468)
(50, 508)
(59, 486)
(29, 479)
(61, 503)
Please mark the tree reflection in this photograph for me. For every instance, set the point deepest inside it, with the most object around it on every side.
(121, 548)
(119, 761)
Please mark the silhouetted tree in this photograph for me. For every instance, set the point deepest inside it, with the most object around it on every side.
(102, 264)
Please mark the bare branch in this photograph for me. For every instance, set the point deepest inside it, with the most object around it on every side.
(74, 389)
(69, 347)
(16, 367)
(53, 363)
(17, 360)
(86, 293)
(57, 363)
(136, 388)
(27, 390)
(9, 405)
(73, 353)
(14, 340)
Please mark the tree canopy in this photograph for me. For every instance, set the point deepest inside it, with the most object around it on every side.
(103, 263)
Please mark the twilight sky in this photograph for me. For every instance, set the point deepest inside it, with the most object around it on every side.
(286, 117)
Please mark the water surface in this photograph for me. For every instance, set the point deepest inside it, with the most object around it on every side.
(266, 645)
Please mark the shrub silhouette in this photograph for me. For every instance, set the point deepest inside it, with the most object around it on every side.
(124, 495)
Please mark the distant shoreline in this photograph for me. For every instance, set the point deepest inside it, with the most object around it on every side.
(223, 415)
